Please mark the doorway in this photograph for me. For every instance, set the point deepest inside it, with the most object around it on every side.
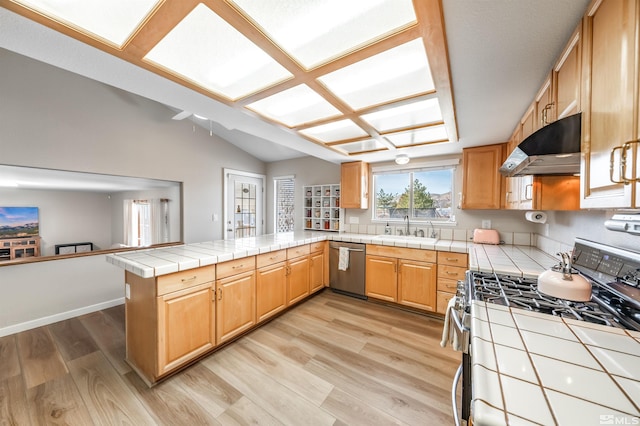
(243, 204)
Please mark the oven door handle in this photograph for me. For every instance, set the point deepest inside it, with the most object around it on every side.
(454, 388)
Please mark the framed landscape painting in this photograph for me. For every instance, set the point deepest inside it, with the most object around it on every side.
(18, 222)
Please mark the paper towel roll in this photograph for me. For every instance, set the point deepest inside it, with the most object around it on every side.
(536, 217)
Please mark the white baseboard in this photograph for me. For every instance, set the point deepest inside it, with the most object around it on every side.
(28, 325)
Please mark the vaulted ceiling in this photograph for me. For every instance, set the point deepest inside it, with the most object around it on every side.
(359, 79)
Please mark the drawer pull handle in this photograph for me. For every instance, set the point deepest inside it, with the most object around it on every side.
(452, 259)
(184, 280)
(238, 266)
(451, 273)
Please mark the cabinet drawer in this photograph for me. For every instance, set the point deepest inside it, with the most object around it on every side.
(233, 267)
(403, 253)
(451, 272)
(447, 285)
(451, 258)
(185, 279)
(298, 251)
(317, 246)
(442, 300)
(266, 259)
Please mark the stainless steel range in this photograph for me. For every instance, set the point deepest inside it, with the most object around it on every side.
(614, 275)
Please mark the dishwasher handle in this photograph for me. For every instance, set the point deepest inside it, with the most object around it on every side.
(349, 249)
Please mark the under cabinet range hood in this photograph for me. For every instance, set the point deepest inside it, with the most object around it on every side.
(552, 150)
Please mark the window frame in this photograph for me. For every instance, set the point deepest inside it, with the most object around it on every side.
(435, 166)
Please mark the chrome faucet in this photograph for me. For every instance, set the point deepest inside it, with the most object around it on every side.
(419, 233)
(407, 219)
(433, 231)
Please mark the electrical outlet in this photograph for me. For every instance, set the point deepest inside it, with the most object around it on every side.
(127, 291)
(486, 224)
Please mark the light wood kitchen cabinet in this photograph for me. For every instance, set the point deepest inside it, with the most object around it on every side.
(528, 122)
(567, 77)
(417, 284)
(544, 105)
(402, 275)
(381, 277)
(186, 326)
(482, 184)
(354, 185)
(451, 269)
(318, 275)
(297, 273)
(271, 284)
(170, 320)
(235, 305)
(610, 133)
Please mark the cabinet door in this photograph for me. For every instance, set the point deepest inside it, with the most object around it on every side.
(526, 193)
(610, 100)
(567, 77)
(235, 305)
(528, 122)
(185, 326)
(297, 279)
(381, 278)
(316, 271)
(271, 290)
(482, 183)
(544, 105)
(417, 284)
(354, 185)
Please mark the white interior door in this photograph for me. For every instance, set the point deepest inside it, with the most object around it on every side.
(244, 205)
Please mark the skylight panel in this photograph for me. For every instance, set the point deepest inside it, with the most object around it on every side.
(208, 51)
(391, 75)
(295, 106)
(335, 131)
(419, 136)
(113, 21)
(408, 115)
(361, 146)
(313, 32)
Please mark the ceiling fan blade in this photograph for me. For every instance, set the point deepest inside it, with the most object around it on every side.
(181, 115)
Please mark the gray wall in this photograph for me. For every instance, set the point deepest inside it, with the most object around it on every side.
(51, 118)
(55, 119)
(307, 171)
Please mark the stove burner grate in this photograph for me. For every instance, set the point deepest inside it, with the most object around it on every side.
(523, 293)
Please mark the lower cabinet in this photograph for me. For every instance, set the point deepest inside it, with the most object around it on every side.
(318, 276)
(271, 290)
(381, 277)
(297, 279)
(170, 320)
(235, 305)
(186, 326)
(173, 319)
(417, 284)
(451, 269)
(394, 275)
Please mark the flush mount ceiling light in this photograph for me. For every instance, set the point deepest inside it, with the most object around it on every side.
(355, 77)
(402, 159)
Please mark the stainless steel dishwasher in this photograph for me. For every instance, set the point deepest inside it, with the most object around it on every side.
(351, 280)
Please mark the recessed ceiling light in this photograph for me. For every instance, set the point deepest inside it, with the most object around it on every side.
(402, 159)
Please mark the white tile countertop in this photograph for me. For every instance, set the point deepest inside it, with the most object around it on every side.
(165, 260)
(522, 261)
(533, 368)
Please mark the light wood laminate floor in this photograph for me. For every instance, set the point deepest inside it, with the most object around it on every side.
(334, 360)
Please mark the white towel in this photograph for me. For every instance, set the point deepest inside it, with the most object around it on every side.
(343, 259)
(449, 329)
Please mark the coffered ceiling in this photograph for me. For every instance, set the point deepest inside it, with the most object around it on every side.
(353, 76)
(337, 79)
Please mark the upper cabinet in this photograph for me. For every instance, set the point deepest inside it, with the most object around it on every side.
(354, 184)
(567, 77)
(609, 169)
(482, 184)
(543, 105)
